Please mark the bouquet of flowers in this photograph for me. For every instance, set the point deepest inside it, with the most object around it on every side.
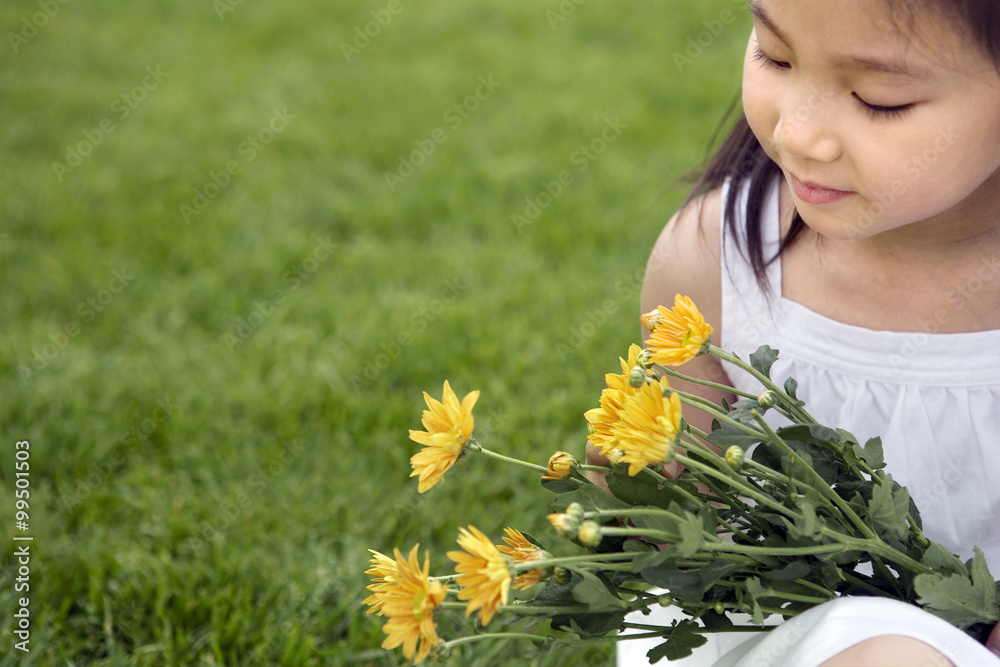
(760, 520)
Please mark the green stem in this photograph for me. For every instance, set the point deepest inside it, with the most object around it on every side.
(526, 609)
(705, 383)
(492, 635)
(677, 489)
(476, 447)
(791, 403)
(818, 482)
(727, 547)
(588, 559)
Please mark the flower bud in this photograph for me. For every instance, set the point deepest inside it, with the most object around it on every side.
(439, 652)
(719, 607)
(665, 600)
(561, 465)
(561, 575)
(566, 525)
(767, 400)
(644, 358)
(575, 510)
(735, 456)
(650, 319)
(637, 377)
(589, 534)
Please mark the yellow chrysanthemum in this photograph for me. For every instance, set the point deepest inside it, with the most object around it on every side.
(483, 573)
(649, 428)
(679, 334)
(383, 569)
(520, 550)
(408, 597)
(561, 465)
(449, 425)
(602, 420)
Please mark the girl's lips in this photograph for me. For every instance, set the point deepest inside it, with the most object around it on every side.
(816, 195)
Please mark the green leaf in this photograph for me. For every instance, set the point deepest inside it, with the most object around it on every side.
(798, 569)
(809, 525)
(888, 509)
(943, 561)
(873, 454)
(688, 585)
(742, 411)
(791, 386)
(756, 592)
(681, 642)
(763, 359)
(564, 485)
(716, 622)
(730, 435)
(692, 535)
(590, 497)
(962, 601)
(594, 593)
(645, 489)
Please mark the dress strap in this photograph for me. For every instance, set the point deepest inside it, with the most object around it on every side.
(749, 313)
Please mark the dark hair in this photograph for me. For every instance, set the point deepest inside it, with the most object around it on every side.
(741, 159)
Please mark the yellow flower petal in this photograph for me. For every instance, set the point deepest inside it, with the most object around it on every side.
(649, 428)
(679, 334)
(561, 465)
(408, 597)
(483, 574)
(520, 550)
(448, 424)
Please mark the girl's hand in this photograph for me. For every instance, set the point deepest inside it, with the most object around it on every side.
(993, 642)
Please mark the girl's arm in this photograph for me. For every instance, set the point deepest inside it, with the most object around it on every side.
(686, 260)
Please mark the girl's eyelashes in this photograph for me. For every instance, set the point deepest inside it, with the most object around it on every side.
(875, 111)
(879, 112)
(766, 60)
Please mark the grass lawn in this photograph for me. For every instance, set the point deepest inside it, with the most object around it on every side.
(240, 238)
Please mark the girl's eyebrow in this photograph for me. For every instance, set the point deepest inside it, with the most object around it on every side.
(864, 64)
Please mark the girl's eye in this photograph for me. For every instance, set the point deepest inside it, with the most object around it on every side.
(875, 111)
(878, 112)
(766, 60)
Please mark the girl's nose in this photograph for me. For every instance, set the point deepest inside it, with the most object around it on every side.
(805, 131)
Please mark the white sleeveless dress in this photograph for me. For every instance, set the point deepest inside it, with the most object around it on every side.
(933, 398)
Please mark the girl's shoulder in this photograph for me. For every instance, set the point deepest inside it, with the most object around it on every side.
(686, 259)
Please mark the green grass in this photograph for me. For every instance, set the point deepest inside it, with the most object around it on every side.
(216, 436)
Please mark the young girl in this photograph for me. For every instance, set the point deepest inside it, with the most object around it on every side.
(852, 221)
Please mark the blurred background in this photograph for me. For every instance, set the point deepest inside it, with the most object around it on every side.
(240, 238)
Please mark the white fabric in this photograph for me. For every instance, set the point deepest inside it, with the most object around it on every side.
(933, 398)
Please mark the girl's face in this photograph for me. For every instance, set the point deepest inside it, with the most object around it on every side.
(873, 128)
